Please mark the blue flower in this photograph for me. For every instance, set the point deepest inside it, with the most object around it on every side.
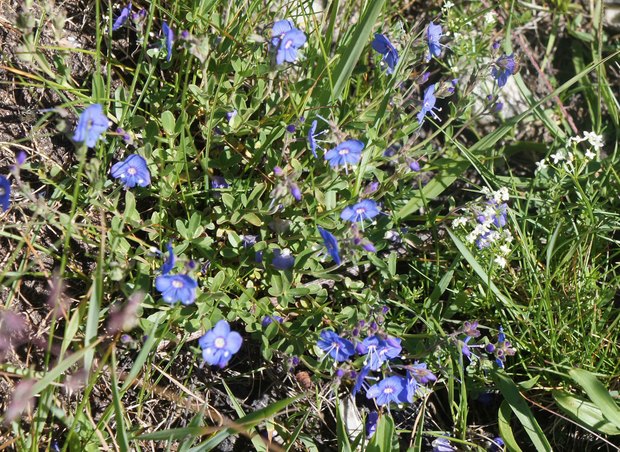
(331, 244)
(433, 35)
(177, 288)
(428, 105)
(289, 44)
(279, 30)
(421, 373)
(122, 17)
(132, 171)
(411, 387)
(347, 152)
(312, 138)
(504, 67)
(282, 259)
(169, 264)
(360, 380)
(390, 55)
(390, 389)
(91, 125)
(338, 348)
(219, 182)
(442, 445)
(5, 193)
(219, 344)
(378, 350)
(269, 319)
(371, 424)
(363, 210)
(169, 37)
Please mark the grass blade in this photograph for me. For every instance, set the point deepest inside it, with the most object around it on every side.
(598, 394)
(517, 403)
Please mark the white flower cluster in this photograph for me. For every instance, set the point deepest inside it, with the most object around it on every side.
(594, 140)
(489, 220)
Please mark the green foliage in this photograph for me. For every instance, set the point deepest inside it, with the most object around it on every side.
(80, 252)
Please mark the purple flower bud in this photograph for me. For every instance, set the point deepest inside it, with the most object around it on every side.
(278, 171)
(371, 188)
(489, 348)
(385, 309)
(424, 78)
(126, 338)
(231, 114)
(339, 373)
(258, 257)
(362, 323)
(498, 106)
(191, 264)
(184, 35)
(496, 45)
(291, 128)
(294, 361)
(355, 332)
(21, 158)
(368, 246)
(295, 191)
(352, 374)
(268, 320)
(414, 166)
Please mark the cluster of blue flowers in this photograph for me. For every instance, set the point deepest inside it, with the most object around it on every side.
(138, 19)
(378, 348)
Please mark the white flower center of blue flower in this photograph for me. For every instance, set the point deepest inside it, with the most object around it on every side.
(219, 342)
(343, 151)
(177, 284)
(288, 44)
(360, 210)
(131, 171)
(388, 390)
(2, 192)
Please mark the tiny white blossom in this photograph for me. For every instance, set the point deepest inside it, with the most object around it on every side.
(507, 236)
(501, 261)
(447, 5)
(590, 155)
(489, 18)
(594, 139)
(570, 157)
(557, 157)
(502, 195)
(460, 221)
(504, 249)
(541, 165)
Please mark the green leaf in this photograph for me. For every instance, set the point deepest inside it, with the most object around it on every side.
(585, 413)
(505, 431)
(598, 394)
(352, 50)
(481, 272)
(450, 171)
(517, 403)
(383, 438)
(167, 122)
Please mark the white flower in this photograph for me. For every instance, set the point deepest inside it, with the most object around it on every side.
(489, 18)
(504, 249)
(507, 236)
(501, 261)
(570, 157)
(595, 140)
(447, 5)
(541, 165)
(460, 221)
(557, 157)
(590, 155)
